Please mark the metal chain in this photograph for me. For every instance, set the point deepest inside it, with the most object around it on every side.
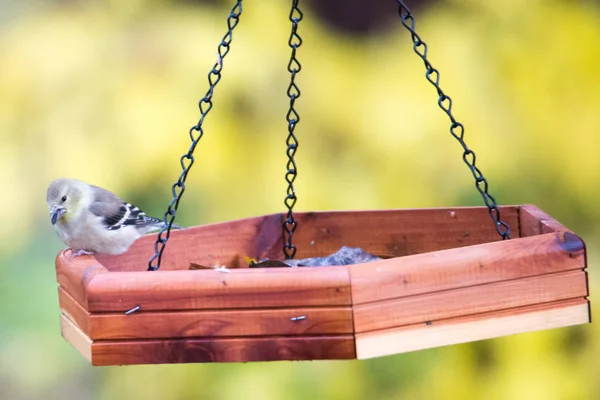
(293, 92)
(196, 132)
(456, 128)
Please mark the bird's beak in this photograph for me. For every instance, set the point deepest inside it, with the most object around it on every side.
(56, 212)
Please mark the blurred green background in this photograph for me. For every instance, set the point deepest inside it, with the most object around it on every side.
(106, 91)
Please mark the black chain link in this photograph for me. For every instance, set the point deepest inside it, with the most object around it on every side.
(456, 128)
(196, 132)
(293, 92)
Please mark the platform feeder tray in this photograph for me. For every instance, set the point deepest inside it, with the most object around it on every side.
(446, 278)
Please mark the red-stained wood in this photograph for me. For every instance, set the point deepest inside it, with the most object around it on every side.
(450, 265)
(75, 273)
(382, 232)
(472, 327)
(223, 350)
(260, 322)
(209, 289)
(176, 324)
(395, 232)
(211, 245)
(529, 224)
(448, 269)
(533, 221)
(74, 311)
(470, 300)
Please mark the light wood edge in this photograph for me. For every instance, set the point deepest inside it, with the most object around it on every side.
(469, 301)
(370, 282)
(76, 337)
(467, 329)
(73, 310)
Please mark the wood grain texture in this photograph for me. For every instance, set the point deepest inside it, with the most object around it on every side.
(262, 322)
(209, 289)
(452, 281)
(472, 328)
(177, 324)
(123, 352)
(395, 232)
(470, 300)
(533, 221)
(455, 268)
(223, 350)
(73, 310)
(78, 339)
(212, 245)
(384, 232)
(75, 273)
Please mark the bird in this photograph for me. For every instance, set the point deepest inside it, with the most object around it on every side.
(92, 220)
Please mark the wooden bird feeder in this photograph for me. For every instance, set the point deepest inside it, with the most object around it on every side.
(446, 278)
(449, 280)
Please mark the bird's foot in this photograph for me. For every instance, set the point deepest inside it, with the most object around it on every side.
(82, 253)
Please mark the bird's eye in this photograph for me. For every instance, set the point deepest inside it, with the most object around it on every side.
(64, 198)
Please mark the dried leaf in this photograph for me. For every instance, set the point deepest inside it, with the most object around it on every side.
(250, 260)
(269, 264)
(198, 266)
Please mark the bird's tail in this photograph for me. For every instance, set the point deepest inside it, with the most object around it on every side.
(174, 226)
(159, 225)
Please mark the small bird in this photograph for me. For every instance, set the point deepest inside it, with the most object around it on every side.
(92, 220)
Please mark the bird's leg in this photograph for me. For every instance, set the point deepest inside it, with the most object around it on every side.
(82, 253)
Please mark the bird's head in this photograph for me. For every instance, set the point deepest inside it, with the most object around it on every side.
(64, 198)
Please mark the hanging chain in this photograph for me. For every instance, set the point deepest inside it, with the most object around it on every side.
(456, 128)
(196, 132)
(293, 92)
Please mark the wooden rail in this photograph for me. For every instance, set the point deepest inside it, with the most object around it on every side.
(446, 279)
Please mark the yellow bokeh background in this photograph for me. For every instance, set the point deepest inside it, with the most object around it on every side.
(106, 92)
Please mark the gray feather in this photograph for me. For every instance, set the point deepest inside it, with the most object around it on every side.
(116, 213)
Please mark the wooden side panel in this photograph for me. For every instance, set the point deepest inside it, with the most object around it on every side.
(529, 224)
(534, 221)
(209, 289)
(436, 292)
(128, 352)
(211, 245)
(470, 300)
(75, 273)
(223, 350)
(261, 322)
(396, 232)
(475, 265)
(383, 232)
(473, 327)
(73, 311)
(78, 339)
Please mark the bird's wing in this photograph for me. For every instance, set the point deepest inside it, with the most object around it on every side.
(116, 213)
